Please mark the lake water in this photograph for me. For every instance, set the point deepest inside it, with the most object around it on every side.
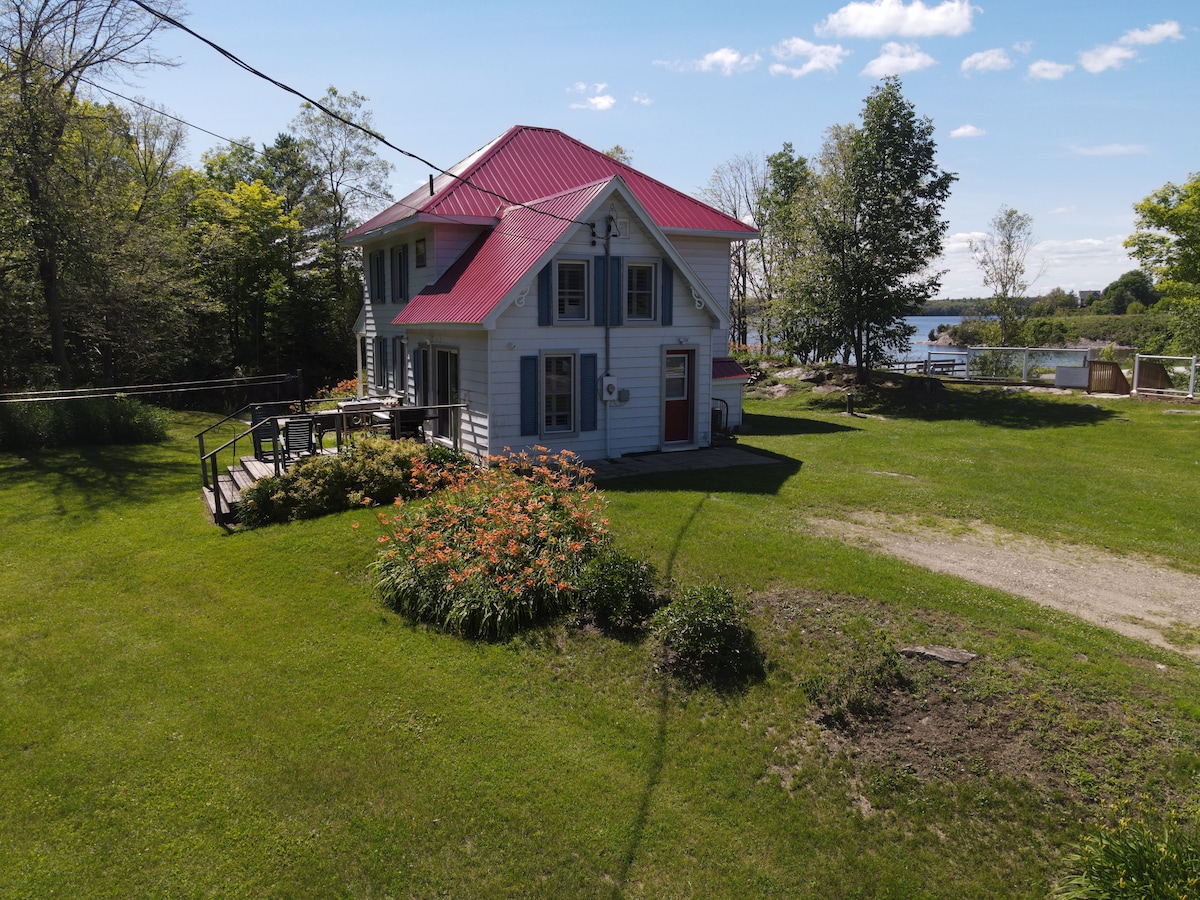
(924, 325)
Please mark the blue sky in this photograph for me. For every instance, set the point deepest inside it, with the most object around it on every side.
(1068, 110)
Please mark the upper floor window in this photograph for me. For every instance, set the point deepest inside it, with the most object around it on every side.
(398, 273)
(375, 276)
(639, 292)
(571, 290)
(419, 253)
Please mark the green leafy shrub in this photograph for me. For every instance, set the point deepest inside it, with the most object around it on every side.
(496, 549)
(71, 423)
(373, 470)
(705, 632)
(1136, 860)
(617, 589)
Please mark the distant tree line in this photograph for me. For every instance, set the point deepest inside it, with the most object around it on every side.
(120, 264)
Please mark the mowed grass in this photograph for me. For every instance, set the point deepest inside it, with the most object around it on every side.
(188, 712)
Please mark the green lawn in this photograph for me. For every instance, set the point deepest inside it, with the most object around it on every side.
(189, 712)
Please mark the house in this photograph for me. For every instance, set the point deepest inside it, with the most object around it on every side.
(544, 293)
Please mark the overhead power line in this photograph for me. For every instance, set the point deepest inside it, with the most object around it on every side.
(242, 64)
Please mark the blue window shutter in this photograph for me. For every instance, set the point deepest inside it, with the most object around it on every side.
(529, 395)
(600, 293)
(393, 266)
(668, 294)
(617, 312)
(545, 301)
(588, 389)
(404, 273)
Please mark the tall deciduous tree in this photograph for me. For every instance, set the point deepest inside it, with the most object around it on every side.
(1000, 255)
(875, 222)
(50, 47)
(1166, 238)
(353, 175)
(779, 256)
(1166, 241)
(735, 188)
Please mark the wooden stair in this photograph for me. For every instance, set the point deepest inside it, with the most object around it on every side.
(230, 486)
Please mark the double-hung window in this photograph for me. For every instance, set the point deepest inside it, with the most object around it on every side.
(398, 273)
(380, 362)
(558, 393)
(571, 291)
(375, 276)
(639, 292)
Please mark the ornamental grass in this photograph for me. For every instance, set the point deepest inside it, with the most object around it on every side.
(495, 549)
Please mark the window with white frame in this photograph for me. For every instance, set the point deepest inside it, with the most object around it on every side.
(639, 292)
(558, 393)
(571, 290)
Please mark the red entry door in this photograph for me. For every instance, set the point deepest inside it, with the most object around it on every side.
(679, 386)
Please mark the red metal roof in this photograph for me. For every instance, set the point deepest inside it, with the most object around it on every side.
(526, 164)
(727, 367)
(491, 267)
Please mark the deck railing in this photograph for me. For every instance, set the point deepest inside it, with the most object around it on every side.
(1165, 375)
(266, 433)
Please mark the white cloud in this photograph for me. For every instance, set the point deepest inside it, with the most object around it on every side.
(892, 18)
(727, 61)
(1106, 56)
(967, 131)
(1022, 47)
(1113, 56)
(1071, 264)
(987, 61)
(1155, 34)
(1049, 71)
(1061, 210)
(896, 59)
(1110, 150)
(1085, 259)
(641, 99)
(599, 103)
(817, 57)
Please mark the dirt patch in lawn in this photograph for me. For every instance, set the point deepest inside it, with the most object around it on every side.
(1136, 597)
(894, 720)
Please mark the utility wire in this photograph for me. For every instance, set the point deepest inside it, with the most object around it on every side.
(134, 390)
(242, 64)
(261, 154)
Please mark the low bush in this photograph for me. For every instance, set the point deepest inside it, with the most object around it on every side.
(617, 590)
(372, 470)
(705, 633)
(496, 549)
(1136, 860)
(37, 425)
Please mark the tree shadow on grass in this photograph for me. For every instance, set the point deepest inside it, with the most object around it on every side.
(765, 478)
(94, 478)
(931, 400)
(782, 426)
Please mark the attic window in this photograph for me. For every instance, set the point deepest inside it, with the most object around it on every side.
(639, 291)
(571, 290)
